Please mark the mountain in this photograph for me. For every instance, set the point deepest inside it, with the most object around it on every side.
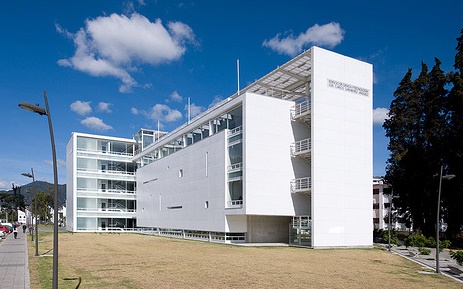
(28, 191)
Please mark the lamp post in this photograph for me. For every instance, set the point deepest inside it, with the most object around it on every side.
(446, 177)
(41, 111)
(35, 209)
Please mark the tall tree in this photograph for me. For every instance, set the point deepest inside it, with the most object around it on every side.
(415, 130)
(452, 196)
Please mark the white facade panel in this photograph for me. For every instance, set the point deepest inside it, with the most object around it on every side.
(267, 159)
(341, 150)
(172, 192)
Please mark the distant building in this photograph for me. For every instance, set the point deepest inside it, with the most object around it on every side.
(22, 218)
(382, 206)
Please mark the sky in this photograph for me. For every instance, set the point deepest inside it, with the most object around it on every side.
(112, 67)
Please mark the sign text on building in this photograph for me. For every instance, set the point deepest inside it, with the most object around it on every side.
(348, 87)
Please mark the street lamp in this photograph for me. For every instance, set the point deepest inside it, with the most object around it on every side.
(446, 177)
(35, 209)
(41, 111)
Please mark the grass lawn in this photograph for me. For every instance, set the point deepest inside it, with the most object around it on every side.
(141, 261)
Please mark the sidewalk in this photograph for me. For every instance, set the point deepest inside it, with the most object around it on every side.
(14, 265)
(448, 266)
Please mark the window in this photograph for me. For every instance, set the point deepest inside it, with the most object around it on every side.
(206, 162)
(206, 204)
(375, 191)
(376, 206)
(180, 173)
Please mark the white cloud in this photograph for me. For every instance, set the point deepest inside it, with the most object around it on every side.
(116, 44)
(176, 97)
(59, 162)
(380, 114)
(96, 124)
(105, 107)
(162, 112)
(134, 111)
(5, 185)
(194, 109)
(217, 99)
(328, 35)
(81, 107)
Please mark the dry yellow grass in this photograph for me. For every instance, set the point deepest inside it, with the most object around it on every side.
(140, 261)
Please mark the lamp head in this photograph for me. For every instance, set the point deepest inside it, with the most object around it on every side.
(33, 108)
(27, 175)
(448, 177)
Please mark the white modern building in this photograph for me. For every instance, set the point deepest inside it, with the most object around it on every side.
(100, 183)
(286, 159)
(383, 206)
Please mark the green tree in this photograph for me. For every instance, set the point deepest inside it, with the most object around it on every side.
(44, 203)
(425, 131)
(454, 158)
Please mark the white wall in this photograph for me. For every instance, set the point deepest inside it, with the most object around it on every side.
(268, 169)
(159, 187)
(71, 183)
(341, 151)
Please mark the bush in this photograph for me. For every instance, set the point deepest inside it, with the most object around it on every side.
(444, 244)
(458, 256)
(394, 239)
(424, 251)
(417, 240)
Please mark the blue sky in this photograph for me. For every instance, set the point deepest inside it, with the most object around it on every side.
(112, 67)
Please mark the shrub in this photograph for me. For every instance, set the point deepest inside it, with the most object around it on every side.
(417, 240)
(444, 244)
(458, 256)
(394, 239)
(424, 251)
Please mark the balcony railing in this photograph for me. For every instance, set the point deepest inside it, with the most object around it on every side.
(235, 131)
(108, 191)
(300, 109)
(103, 152)
(235, 204)
(114, 172)
(235, 135)
(301, 185)
(300, 147)
(109, 210)
(235, 167)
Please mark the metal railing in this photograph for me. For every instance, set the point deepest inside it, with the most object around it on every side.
(235, 131)
(116, 172)
(301, 185)
(110, 191)
(235, 167)
(111, 210)
(300, 109)
(103, 152)
(235, 203)
(301, 146)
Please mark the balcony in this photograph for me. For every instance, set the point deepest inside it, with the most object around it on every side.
(235, 135)
(106, 212)
(235, 204)
(301, 186)
(106, 193)
(106, 174)
(301, 111)
(100, 154)
(301, 149)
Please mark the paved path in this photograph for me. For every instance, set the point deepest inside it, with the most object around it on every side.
(14, 265)
(448, 266)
